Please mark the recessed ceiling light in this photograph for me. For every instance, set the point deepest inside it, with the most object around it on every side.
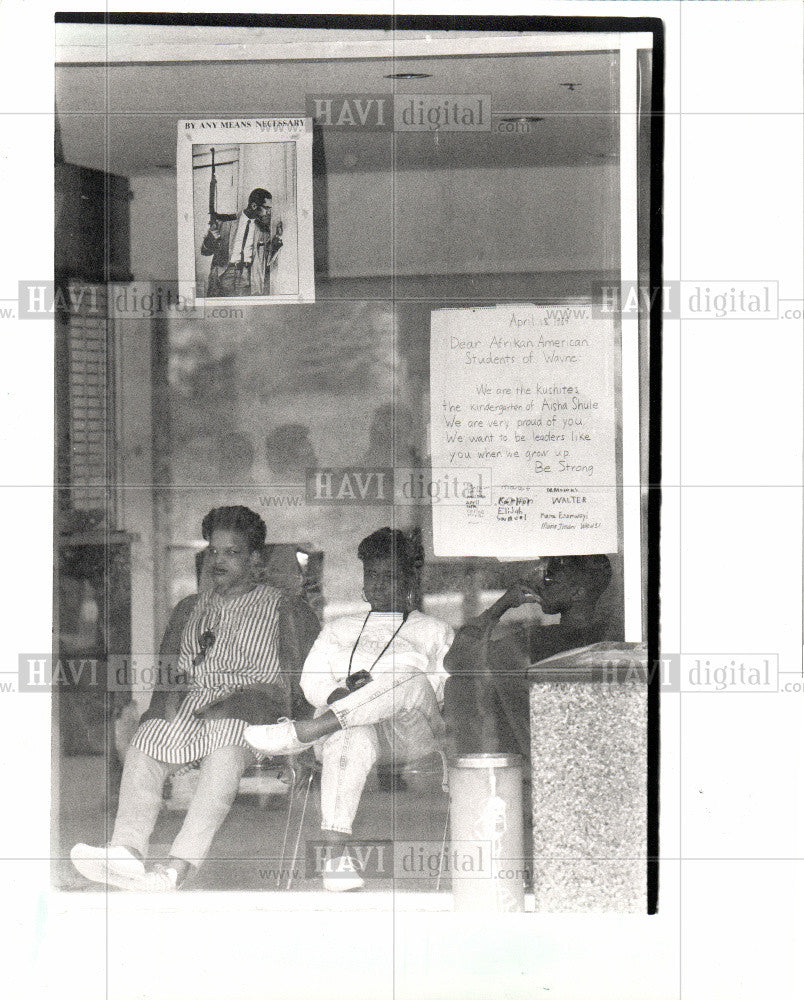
(408, 76)
(521, 118)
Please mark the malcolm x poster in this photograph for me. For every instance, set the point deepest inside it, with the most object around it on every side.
(245, 210)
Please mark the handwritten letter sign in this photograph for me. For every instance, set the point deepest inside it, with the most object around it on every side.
(527, 394)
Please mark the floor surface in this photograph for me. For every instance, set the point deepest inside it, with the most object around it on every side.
(247, 852)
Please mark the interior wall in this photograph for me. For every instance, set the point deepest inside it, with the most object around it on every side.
(428, 222)
(135, 473)
(466, 221)
(154, 226)
(329, 369)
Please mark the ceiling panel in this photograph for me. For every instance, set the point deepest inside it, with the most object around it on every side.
(141, 103)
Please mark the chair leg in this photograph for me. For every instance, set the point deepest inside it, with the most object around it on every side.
(445, 787)
(292, 869)
(443, 851)
(294, 779)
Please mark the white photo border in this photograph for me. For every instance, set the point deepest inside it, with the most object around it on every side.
(268, 130)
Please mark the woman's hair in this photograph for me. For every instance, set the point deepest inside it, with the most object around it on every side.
(240, 519)
(406, 550)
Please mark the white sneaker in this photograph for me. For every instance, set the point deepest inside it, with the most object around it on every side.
(162, 878)
(277, 740)
(340, 875)
(108, 865)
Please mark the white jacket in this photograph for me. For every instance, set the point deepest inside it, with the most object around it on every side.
(422, 642)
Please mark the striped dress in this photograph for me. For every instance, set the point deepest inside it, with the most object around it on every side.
(243, 653)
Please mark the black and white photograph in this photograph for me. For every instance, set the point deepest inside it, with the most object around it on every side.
(383, 584)
(245, 208)
(337, 574)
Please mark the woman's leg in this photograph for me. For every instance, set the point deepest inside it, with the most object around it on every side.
(463, 713)
(417, 728)
(379, 700)
(218, 781)
(403, 699)
(347, 757)
(140, 801)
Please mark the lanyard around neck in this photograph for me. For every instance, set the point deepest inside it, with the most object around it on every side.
(385, 647)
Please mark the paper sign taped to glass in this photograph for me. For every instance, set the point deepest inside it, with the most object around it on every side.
(245, 209)
(526, 392)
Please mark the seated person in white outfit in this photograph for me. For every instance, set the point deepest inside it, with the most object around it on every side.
(377, 682)
(230, 652)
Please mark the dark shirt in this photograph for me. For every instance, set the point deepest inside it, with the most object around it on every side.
(480, 646)
(515, 647)
(487, 699)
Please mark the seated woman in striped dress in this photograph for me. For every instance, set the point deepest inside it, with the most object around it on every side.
(230, 651)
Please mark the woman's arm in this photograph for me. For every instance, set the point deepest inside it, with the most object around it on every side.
(470, 648)
(165, 702)
(318, 678)
(299, 627)
(439, 651)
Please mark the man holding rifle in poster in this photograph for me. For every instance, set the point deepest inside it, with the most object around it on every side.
(241, 246)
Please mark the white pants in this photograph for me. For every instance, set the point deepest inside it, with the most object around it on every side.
(141, 800)
(403, 706)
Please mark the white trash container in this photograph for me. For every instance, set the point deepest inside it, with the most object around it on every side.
(486, 856)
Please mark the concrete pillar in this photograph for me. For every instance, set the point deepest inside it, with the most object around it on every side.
(588, 718)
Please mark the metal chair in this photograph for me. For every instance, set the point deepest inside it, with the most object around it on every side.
(304, 767)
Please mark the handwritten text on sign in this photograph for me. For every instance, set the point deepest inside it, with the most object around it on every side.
(527, 392)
